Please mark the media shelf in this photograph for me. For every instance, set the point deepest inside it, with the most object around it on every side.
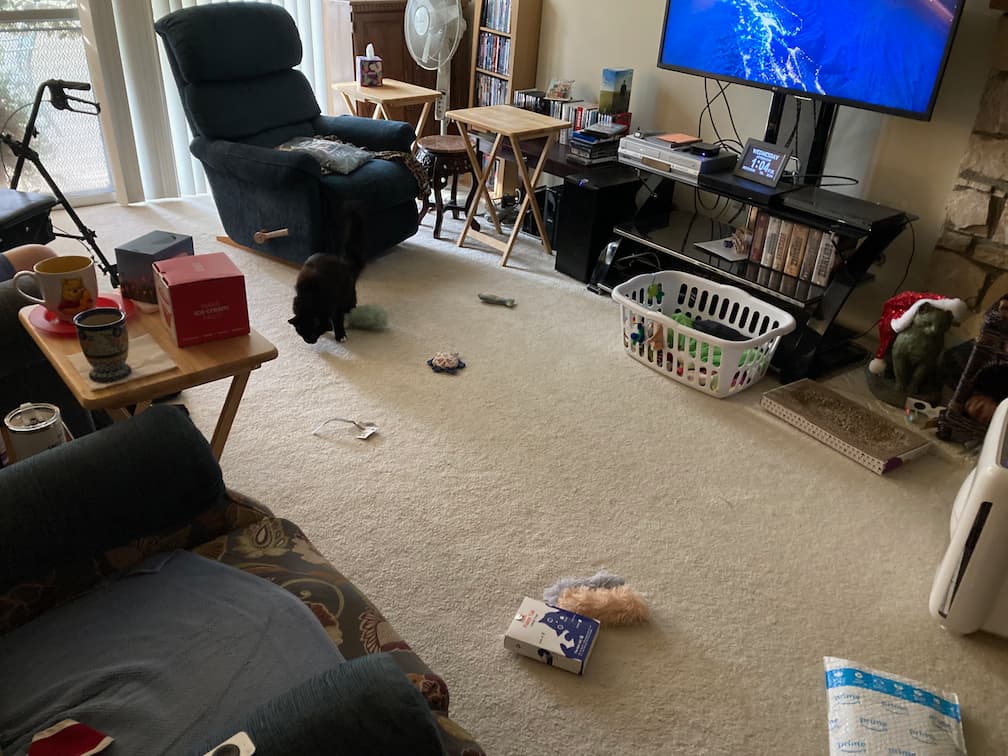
(666, 240)
(684, 230)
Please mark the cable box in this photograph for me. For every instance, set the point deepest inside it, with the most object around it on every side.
(657, 156)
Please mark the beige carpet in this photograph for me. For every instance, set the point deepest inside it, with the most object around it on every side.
(555, 454)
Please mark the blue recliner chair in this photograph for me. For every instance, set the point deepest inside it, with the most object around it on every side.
(234, 66)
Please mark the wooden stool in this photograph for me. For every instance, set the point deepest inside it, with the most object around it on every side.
(445, 157)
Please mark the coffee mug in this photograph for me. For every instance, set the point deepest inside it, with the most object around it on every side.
(105, 342)
(68, 283)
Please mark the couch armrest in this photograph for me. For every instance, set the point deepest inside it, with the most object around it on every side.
(261, 166)
(364, 705)
(367, 132)
(148, 474)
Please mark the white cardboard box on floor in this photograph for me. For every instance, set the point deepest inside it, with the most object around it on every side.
(553, 636)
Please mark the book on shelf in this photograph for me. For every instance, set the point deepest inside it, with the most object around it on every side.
(811, 253)
(529, 99)
(783, 241)
(606, 129)
(592, 153)
(489, 90)
(845, 425)
(614, 95)
(800, 252)
(573, 157)
(769, 248)
(796, 249)
(585, 115)
(589, 137)
(759, 237)
(493, 53)
(678, 139)
(825, 259)
(497, 15)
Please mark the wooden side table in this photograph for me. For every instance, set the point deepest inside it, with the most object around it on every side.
(233, 358)
(514, 124)
(392, 93)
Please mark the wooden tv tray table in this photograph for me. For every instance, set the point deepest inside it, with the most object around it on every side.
(515, 124)
(233, 358)
(392, 93)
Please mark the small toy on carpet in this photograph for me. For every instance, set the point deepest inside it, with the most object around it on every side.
(446, 362)
(603, 596)
(621, 605)
(367, 317)
(601, 579)
(497, 300)
(367, 429)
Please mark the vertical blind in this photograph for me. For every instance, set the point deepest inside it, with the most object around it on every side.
(307, 15)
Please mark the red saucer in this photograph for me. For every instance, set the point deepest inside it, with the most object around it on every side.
(47, 321)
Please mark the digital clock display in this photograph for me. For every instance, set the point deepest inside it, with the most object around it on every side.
(763, 162)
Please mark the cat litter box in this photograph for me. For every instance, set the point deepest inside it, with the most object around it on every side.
(657, 311)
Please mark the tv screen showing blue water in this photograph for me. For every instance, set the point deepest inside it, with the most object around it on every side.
(883, 54)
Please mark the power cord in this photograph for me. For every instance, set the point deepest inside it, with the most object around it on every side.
(906, 272)
(847, 180)
(731, 119)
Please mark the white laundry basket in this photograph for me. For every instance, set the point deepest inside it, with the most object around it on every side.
(713, 365)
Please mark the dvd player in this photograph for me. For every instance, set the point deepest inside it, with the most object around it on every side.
(679, 163)
(857, 213)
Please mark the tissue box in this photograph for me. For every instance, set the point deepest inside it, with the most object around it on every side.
(201, 298)
(553, 636)
(369, 71)
(134, 260)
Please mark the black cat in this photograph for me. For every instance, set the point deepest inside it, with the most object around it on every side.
(326, 287)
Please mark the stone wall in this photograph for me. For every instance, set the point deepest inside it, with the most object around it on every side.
(970, 260)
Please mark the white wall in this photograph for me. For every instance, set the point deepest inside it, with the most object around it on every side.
(902, 163)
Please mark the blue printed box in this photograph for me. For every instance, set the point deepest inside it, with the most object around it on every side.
(134, 260)
(553, 636)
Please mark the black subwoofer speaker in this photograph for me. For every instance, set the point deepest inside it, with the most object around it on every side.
(591, 204)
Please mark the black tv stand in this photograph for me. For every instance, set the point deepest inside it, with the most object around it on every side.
(818, 345)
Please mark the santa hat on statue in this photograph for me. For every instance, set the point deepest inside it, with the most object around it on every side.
(898, 313)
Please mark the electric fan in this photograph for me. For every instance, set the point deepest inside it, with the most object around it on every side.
(434, 29)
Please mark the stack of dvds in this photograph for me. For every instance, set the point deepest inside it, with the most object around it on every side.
(592, 149)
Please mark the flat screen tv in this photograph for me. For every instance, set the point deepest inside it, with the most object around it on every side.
(885, 55)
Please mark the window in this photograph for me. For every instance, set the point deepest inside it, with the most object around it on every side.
(40, 40)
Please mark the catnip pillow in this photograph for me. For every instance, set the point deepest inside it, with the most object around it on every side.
(334, 156)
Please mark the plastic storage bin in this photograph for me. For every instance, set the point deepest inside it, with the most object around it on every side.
(655, 310)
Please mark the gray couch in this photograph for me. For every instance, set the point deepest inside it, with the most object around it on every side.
(113, 552)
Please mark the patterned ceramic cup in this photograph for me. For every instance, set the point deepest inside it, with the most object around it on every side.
(68, 284)
(105, 342)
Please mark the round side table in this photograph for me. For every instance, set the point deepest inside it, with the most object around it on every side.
(444, 158)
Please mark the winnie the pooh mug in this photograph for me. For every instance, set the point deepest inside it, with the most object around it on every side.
(68, 284)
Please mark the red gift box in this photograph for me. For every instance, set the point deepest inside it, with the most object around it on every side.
(201, 298)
